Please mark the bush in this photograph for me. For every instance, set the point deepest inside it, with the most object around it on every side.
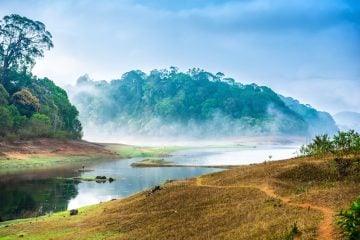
(320, 145)
(6, 121)
(347, 142)
(343, 143)
(62, 135)
(307, 172)
(349, 221)
(38, 125)
(26, 103)
(4, 95)
(343, 166)
(294, 231)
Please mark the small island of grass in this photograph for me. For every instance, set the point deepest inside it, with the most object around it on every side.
(151, 163)
(98, 179)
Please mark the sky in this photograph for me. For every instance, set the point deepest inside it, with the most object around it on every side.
(309, 50)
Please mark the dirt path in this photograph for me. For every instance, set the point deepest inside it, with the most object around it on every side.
(325, 228)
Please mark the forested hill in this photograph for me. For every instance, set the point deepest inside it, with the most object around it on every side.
(30, 107)
(196, 104)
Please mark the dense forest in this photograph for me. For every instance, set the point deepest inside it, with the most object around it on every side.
(196, 103)
(30, 107)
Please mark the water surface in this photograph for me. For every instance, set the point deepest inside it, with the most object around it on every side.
(33, 194)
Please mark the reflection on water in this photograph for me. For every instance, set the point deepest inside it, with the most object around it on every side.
(31, 198)
(38, 195)
(128, 180)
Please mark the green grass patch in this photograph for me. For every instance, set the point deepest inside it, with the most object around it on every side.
(36, 163)
(127, 151)
(151, 162)
(88, 178)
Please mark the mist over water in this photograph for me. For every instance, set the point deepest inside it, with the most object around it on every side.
(167, 105)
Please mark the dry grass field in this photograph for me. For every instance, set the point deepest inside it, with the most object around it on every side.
(292, 199)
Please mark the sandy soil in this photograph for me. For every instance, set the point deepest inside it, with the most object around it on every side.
(49, 148)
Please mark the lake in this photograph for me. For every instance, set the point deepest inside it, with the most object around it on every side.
(35, 194)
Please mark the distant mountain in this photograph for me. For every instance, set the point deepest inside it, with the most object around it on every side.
(348, 120)
(318, 122)
(191, 104)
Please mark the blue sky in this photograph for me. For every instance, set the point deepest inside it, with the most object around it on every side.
(309, 50)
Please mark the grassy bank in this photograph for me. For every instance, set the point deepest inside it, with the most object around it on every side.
(127, 151)
(292, 199)
(14, 165)
(45, 154)
(163, 163)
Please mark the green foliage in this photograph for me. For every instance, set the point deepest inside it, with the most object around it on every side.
(37, 107)
(320, 145)
(347, 142)
(342, 143)
(318, 122)
(211, 103)
(25, 102)
(38, 126)
(349, 221)
(294, 231)
(5, 120)
(4, 96)
(42, 109)
(21, 41)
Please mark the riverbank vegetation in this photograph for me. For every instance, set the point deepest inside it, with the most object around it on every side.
(341, 144)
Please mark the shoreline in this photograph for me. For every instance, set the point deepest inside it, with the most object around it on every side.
(272, 192)
(50, 154)
(150, 165)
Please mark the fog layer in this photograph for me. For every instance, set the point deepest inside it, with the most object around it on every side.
(172, 105)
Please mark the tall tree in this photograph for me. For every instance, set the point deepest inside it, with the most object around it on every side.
(21, 41)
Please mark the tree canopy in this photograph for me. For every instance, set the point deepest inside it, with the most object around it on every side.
(30, 107)
(195, 103)
(21, 41)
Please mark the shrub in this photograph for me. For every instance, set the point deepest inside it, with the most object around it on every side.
(343, 166)
(62, 135)
(320, 145)
(349, 221)
(26, 103)
(6, 121)
(294, 231)
(4, 95)
(306, 172)
(343, 143)
(347, 142)
(38, 125)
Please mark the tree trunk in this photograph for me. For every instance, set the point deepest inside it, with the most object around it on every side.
(3, 72)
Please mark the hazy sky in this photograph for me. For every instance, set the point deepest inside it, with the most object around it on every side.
(306, 49)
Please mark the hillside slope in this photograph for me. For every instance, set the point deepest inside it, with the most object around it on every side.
(318, 122)
(193, 104)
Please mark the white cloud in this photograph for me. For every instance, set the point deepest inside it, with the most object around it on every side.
(276, 43)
